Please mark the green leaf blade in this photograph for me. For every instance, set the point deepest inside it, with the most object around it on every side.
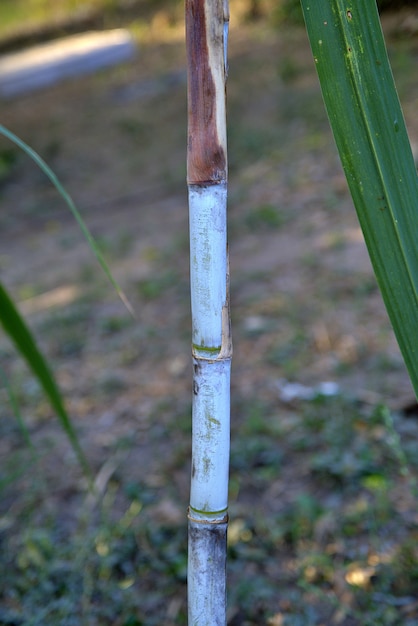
(21, 336)
(36, 158)
(372, 141)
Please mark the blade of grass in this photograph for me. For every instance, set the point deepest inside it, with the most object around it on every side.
(21, 336)
(369, 130)
(70, 203)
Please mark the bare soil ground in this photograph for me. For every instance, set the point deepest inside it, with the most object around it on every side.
(322, 505)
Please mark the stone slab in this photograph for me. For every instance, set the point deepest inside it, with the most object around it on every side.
(46, 64)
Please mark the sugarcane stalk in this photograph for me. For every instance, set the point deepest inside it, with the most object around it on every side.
(369, 129)
(206, 42)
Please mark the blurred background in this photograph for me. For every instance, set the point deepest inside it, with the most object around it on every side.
(323, 497)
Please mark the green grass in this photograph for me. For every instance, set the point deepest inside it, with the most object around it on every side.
(18, 14)
(14, 13)
(338, 534)
(95, 575)
(335, 543)
(265, 216)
